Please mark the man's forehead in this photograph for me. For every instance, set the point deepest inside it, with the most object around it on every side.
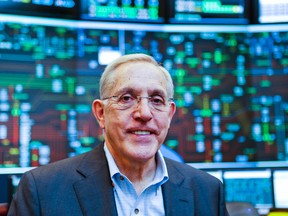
(140, 71)
(135, 88)
(151, 77)
(140, 76)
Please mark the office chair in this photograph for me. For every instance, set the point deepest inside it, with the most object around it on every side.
(3, 209)
(241, 209)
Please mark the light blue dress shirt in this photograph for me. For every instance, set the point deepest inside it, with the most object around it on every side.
(128, 203)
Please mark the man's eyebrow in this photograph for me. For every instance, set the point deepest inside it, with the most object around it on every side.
(133, 91)
(157, 92)
(125, 90)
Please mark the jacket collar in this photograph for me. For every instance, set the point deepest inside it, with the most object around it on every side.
(95, 191)
(178, 199)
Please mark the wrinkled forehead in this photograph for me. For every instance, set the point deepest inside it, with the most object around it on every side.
(141, 77)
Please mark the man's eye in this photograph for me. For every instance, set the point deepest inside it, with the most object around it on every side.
(157, 100)
(125, 98)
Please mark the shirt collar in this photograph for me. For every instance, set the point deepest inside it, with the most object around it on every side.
(161, 175)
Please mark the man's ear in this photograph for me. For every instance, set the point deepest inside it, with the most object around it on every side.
(172, 110)
(98, 112)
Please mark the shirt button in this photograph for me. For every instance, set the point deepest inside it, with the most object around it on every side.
(121, 178)
(136, 211)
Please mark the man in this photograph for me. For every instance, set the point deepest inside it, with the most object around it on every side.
(126, 175)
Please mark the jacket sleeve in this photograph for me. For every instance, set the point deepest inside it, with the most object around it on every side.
(25, 200)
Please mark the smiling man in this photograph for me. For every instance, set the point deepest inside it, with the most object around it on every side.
(127, 174)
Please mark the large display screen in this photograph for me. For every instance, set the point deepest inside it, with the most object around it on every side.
(126, 10)
(230, 89)
(209, 11)
(66, 9)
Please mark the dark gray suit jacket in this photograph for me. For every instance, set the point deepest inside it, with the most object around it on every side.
(82, 186)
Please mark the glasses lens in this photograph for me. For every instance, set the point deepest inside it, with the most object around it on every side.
(127, 102)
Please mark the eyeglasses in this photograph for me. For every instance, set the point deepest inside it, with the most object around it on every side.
(127, 101)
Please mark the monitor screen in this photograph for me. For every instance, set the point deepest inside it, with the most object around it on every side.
(230, 88)
(13, 182)
(209, 11)
(253, 186)
(132, 11)
(280, 179)
(275, 11)
(9, 180)
(216, 173)
(66, 9)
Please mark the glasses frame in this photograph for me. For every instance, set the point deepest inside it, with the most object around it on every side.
(137, 99)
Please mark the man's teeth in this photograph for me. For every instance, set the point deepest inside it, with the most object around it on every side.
(141, 132)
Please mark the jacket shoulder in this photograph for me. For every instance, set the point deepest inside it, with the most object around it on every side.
(68, 166)
(190, 173)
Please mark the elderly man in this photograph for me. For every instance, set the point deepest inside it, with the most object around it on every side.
(127, 174)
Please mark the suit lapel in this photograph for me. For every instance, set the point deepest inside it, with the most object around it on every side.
(178, 199)
(95, 192)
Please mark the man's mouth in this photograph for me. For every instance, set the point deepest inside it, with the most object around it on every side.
(141, 132)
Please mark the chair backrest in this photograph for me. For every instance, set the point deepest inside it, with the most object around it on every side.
(3, 209)
(241, 208)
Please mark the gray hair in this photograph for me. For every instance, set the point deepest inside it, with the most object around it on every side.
(107, 81)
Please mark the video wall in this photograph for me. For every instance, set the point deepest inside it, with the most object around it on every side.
(230, 88)
(231, 12)
(149, 11)
(64, 9)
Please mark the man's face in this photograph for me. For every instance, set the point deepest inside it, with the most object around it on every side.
(135, 134)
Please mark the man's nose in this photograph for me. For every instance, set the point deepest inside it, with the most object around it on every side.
(143, 109)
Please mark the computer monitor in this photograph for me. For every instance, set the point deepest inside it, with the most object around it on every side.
(64, 9)
(125, 11)
(13, 182)
(280, 183)
(9, 180)
(253, 186)
(216, 173)
(275, 11)
(209, 11)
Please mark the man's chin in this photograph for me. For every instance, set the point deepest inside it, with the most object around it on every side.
(144, 156)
